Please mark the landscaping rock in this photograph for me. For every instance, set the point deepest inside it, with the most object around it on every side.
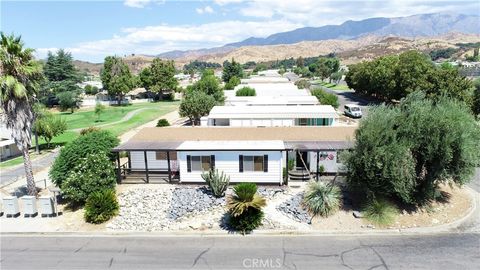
(357, 214)
(294, 209)
(186, 201)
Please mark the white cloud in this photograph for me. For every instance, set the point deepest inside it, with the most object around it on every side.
(226, 2)
(141, 3)
(153, 40)
(317, 13)
(206, 10)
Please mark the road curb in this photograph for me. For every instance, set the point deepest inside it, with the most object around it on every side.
(440, 229)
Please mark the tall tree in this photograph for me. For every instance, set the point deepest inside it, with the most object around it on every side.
(20, 77)
(159, 77)
(61, 76)
(231, 69)
(116, 77)
(195, 105)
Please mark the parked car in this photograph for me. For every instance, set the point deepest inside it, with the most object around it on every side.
(353, 111)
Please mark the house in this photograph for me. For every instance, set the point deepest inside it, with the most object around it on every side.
(271, 89)
(246, 154)
(8, 147)
(271, 116)
(272, 101)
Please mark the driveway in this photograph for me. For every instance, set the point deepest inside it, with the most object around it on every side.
(442, 251)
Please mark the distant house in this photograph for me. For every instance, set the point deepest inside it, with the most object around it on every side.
(246, 154)
(8, 148)
(271, 116)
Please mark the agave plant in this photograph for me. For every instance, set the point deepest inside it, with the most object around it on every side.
(321, 198)
(244, 197)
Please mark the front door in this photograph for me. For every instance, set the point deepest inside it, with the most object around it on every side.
(300, 156)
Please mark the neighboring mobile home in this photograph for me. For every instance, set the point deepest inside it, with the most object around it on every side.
(246, 154)
(271, 116)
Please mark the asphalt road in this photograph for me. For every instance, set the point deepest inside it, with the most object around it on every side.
(444, 251)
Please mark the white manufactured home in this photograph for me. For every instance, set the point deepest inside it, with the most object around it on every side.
(182, 154)
(271, 116)
(272, 101)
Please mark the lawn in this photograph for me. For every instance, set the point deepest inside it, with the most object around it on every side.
(86, 118)
(332, 86)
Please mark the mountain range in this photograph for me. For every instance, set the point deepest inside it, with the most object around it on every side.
(423, 25)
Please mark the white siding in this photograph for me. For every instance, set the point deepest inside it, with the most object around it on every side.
(138, 162)
(330, 165)
(228, 162)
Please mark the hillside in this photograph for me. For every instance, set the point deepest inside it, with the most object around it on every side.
(349, 51)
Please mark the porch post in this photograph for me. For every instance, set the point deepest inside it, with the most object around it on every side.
(286, 166)
(318, 161)
(146, 165)
(118, 168)
(129, 161)
(169, 169)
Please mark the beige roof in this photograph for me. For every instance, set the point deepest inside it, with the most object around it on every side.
(180, 134)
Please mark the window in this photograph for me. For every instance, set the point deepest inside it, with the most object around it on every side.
(200, 163)
(162, 155)
(302, 122)
(253, 163)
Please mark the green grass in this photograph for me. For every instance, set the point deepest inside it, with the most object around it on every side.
(380, 212)
(332, 86)
(86, 118)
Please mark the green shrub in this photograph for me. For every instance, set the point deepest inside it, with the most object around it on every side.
(322, 199)
(163, 123)
(91, 142)
(101, 206)
(92, 173)
(245, 207)
(218, 182)
(234, 81)
(247, 221)
(246, 92)
(89, 130)
(302, 84)
(326, 98)
(380, 212)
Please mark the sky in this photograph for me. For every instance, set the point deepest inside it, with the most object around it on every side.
(92, 29)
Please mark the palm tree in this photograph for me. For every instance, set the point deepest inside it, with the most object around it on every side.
(244, 197)
(19, 81)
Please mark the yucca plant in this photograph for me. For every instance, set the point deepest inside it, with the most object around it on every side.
(321, 198)
(218, 182)
(380, 211)
(245, 196)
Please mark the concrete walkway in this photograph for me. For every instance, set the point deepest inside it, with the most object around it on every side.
(10, 175)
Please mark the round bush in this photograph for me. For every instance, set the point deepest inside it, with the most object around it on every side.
(246, 92)
(322, 199)
(247, 221)
(163, 123)
(100, 141)
(101, 206)
(91, 174)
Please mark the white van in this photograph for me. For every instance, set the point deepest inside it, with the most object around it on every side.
(353, 110)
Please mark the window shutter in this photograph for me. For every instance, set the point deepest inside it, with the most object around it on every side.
(189, 163)
(212, 161)
(240, 163)
(265, 163)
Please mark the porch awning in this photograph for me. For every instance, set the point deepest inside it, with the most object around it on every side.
(147, 146)
(318, 145)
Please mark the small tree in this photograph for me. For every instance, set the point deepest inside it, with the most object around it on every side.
(195, 105)
(234, 81)
(231, 69)
(99, 109)
(406, 151)
(69, 100)
(50, 126)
